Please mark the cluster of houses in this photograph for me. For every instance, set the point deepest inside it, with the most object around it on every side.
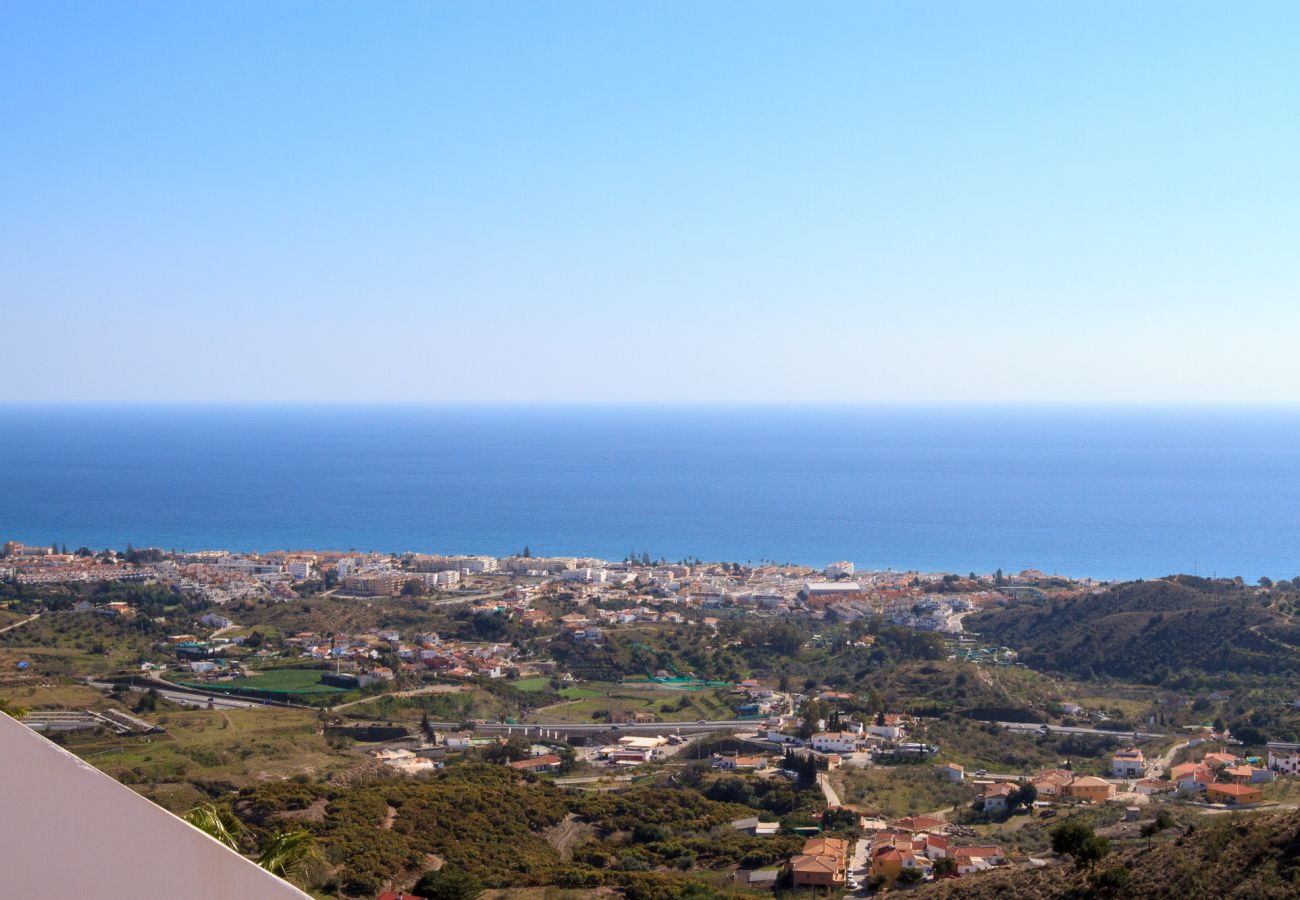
(855, 742)
(917, 842)
(222, 576)
(886, 852)
(1218, 777)
(422, 652)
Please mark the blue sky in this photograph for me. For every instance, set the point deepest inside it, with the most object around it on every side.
(657, 202)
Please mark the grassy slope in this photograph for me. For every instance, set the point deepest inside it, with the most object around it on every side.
(900, 790)
(230, 747)
(1150, 631)
(622, 701)
(1244, 856)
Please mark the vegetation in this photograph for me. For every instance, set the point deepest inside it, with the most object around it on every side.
(292, 855)
(1171, 632)
(12, 709)
(383, 832)
(296, 682)
(900, 790)
(1236, 856)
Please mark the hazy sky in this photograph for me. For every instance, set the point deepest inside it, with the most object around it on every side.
(609, 201)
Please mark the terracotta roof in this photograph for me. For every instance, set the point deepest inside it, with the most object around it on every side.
(986, 852)
(808, 863)
(1235, 790)
(920, 823)
(536, 762)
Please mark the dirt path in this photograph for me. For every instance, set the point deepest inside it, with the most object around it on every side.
(415, 692)
(832, 798)
(567, 835)
(18, 624)
(1160, 765)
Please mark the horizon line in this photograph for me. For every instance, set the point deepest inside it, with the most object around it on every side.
(1218, 405)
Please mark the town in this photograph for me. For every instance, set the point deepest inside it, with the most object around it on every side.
(871, 737)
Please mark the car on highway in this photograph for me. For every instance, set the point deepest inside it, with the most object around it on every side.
(981, 771)
(701, 721)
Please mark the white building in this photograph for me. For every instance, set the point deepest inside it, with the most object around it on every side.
(835, 742)
(1284, 762)
(888, 732)
(841, 569)
(477, 565)
(1128, 763)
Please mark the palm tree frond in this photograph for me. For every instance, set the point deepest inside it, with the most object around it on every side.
(217, 822)
(12, 709)
(291, 854)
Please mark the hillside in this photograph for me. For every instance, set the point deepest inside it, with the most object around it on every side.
(935, 688)
(503, 829)
(1153, 631)
(1244, 856)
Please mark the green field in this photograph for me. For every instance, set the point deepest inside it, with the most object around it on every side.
(577, 693)
(279, 681)
(600, 701)
(234, 746)
(532, 685)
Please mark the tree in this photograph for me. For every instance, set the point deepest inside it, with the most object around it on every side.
(217, 822)
(413, 587)
(12, 709)
(944, 866)
(512, 750)
(909, 876)
(448, 884)
(148, 701)
(527, 554)
(1025, 796)
(293, 855)
(1162, 821)
(1080, 842)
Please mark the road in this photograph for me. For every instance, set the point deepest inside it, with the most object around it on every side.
(187, 698)
(662, 729)
(471, 598)
(828, 791)
(1032, 727)
(1160, 765)
(32, 618)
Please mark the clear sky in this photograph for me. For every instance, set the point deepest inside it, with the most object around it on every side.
(653, 202)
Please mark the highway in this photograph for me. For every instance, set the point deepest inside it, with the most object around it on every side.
(1033, 728)
(198, 698)
(663, 729)
(188, 698)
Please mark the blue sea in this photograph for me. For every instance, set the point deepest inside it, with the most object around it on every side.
(1107, 493)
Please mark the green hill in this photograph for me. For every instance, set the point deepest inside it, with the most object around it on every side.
(1242, 856)
(1153, 631)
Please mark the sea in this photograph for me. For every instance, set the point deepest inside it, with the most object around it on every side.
(1108, 493)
